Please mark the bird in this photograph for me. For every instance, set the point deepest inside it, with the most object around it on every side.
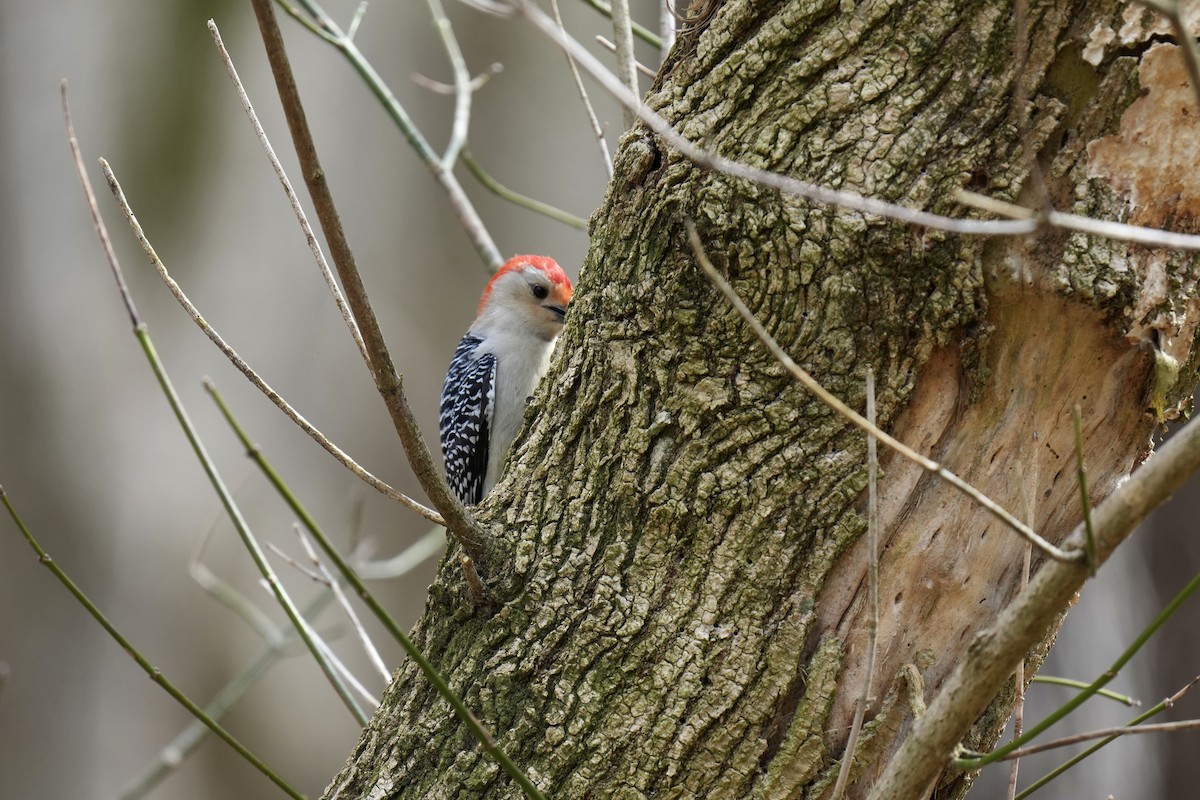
(495, 369)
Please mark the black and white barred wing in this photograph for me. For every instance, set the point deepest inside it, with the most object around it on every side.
(465, 419)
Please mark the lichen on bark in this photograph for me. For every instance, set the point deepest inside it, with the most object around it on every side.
(680, 610)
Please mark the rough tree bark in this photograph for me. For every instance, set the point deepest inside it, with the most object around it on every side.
(680, 609)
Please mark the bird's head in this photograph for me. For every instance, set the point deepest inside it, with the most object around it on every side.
(531, 292)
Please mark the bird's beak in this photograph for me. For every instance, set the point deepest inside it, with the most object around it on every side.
(561, 311)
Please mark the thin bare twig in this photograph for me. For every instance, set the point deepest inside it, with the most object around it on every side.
(333, 583)
(462, 85)
(1019, 680)
(326, 654)
(356, 20)
(247, 370)
(1117, 231)
(1024, 222)
(612, 48)
(1108, 694)
(856, 419)
(583, 95)
(477, 83)
(293, 200)
(666, 28)
(475, 541)
(98, 223)
(1104, 733)
(865, 699)
(623, 46)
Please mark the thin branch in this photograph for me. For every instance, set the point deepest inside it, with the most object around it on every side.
(1019, 681)
(293, 200)
(466, 530)
(308, 572)
(865, 698)
(1138, 720)
(309, 25)
(500, 190)
(152, 671)
(97, 222)
(462, 85)
(1117, 231)
(623, 46)
(326, 577)
(1024, 622)
(330, 32)
(246, 369)
(641, 31)
(597, 130)
(666, 28)
(1053, 680)
(432, 543)
(1106, 733)
(853, 417)
(356, 20)
(1023, 223)
(477, 83)
(338, 667)
(637, 65)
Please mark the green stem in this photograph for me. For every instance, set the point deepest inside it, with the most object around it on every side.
(1074, 684)
(147, 667)
(503, 191)
(640, 31)
(1054, 773)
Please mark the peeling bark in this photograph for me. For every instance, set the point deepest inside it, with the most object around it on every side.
(680, 608)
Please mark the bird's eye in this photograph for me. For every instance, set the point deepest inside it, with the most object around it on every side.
(539, 291)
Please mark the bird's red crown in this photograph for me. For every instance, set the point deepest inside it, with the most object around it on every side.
(544, 264)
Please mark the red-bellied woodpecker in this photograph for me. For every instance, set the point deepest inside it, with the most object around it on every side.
(495, 369)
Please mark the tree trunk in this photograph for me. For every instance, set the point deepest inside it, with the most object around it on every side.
(681, 608)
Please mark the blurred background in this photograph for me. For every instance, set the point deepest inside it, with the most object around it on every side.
(92, 457)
